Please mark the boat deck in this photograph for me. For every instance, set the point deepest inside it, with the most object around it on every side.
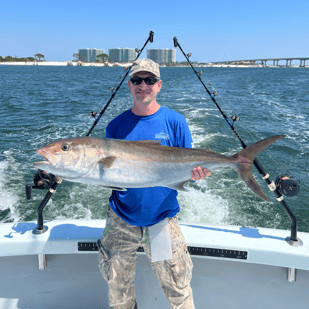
(234, 267)
(74, 281)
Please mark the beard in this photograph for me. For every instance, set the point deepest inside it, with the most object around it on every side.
(145, 99)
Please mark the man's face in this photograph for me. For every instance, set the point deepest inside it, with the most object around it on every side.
(143, 93)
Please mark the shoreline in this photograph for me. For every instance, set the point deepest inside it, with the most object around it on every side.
(118, 64)
(67, 63)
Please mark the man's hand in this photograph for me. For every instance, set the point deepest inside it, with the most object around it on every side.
(199, 173)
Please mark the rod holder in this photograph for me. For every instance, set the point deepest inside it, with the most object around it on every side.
(28, 192)
(40, 229)
(294, 243)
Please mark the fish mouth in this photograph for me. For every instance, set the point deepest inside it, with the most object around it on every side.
(42, 163)
(44, 155)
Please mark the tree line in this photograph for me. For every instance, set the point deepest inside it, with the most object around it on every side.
(24, 59)
(100, 58)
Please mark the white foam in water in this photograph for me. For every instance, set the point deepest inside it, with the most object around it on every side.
(199, 137)
(78, 201)
(8, 199)
(202, 206)
(58, 209)
(76, 211)
(197, 134)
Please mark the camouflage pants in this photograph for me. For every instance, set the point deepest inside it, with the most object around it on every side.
(117, 259)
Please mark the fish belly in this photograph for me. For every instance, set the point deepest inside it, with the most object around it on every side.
(139, 174)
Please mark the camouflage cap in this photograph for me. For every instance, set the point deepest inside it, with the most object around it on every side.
(146, 65)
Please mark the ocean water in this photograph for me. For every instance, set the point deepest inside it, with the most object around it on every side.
(39, 105)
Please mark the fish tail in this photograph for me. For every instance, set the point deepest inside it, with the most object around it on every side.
(244, 160)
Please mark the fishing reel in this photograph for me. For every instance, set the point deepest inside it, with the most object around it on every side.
(42, 180)
(287, 185)
(234, 118)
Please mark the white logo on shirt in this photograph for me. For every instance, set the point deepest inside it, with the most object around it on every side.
(162, 135)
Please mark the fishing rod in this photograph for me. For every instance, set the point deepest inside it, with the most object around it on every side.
(282, 183)
(43, 180)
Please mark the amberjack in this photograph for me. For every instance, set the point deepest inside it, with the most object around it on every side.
(121, 164)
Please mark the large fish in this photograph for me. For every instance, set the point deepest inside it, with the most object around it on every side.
(120, 164)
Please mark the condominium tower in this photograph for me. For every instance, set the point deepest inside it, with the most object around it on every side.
(90, 55)
(162, 56)
(121, 54)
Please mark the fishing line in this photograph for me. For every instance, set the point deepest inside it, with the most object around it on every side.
(99, 102)
(137, 50)
(53, 186)
(254, 136)
(293, 240)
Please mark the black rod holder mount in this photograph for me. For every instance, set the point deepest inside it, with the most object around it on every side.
(40, 229)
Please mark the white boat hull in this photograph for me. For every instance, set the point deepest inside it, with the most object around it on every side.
(247, 269)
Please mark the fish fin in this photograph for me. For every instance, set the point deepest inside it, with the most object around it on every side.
(115, 188)
(107, 162)
(253, 150)
(178, 186)
(244, 160)
(92, 166)
(151, 142)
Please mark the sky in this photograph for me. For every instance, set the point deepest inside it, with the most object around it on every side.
(216, 30)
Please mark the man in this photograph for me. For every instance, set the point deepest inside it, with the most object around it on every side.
(139, 217)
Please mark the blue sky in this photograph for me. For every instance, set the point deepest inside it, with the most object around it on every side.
(211, 30)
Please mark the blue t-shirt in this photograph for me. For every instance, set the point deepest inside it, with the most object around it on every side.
(148, 206)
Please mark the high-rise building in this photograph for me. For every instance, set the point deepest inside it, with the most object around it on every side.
(162, 56)
(121, 54)
(90, 55)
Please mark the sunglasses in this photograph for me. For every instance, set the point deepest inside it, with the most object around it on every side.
(147, 80)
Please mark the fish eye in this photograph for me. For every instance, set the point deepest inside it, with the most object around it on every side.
(65, 147)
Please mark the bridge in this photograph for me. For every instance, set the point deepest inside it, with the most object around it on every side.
(264, 61)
